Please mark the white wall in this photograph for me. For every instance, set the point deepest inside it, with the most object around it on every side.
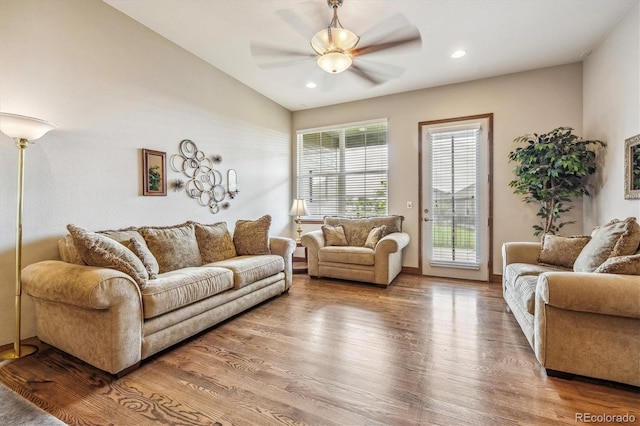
(522, 103)
(114, 87)
(612, 114)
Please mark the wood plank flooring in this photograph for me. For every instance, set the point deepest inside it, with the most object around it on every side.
(420, 352)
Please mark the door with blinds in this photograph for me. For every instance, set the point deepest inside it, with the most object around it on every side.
(455, 198)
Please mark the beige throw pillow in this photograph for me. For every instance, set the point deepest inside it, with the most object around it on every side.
(251, 237)
(561, 251)
(606, 241)
(215, 242)
(102, 251)
(625, 265)
(123, 236)
(142, 251)
(334, 235)
(174, 247)
(374, 236)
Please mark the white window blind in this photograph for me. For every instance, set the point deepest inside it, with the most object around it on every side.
(454, 199)
(344, 170)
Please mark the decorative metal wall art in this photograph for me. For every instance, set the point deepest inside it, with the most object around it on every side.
(205, 183)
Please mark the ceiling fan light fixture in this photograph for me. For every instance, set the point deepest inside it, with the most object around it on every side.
(334, 39)
(334, 62)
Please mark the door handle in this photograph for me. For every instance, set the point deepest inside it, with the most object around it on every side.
(426, 215)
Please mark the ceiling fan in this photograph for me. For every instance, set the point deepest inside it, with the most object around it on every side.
(336, 49)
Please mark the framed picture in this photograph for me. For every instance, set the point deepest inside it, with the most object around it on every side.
(632, 168)
(154, 172)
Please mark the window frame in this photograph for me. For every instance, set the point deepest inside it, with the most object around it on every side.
(342, 170)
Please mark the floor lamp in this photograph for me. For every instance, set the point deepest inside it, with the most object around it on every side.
(23, 130)
(299, 208)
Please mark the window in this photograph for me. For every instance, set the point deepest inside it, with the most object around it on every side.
(343, 170)
(454, 194)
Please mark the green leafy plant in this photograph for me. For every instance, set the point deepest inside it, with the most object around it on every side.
(552, 170)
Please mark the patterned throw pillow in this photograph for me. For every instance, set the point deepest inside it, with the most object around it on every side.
(374, 236)
(334, 235)
(124, 236)
(561, 251)
(142, 251)
(102, 251)
(251, 237)
(174, 247)
(612, 239)
(215, 242)
(625, 265)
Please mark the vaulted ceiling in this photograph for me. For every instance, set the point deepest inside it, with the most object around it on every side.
(247, 39)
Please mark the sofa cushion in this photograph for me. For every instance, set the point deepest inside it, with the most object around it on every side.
(181, 287)
(349, 254)
(249, 269)
(561, 251)
(612, 239)
(174, 247)
(99, 250)
(251, 237)
(374, 236)
(626, 265)
(68, 251)
(215, 242)
(334, 235)
(123, 236)
(357, 229)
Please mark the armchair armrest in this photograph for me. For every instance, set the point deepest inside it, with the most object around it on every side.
(607, 294)
(392, 243)
(313, 241)
(79, 285)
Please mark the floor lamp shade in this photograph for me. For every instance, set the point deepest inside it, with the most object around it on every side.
(22, 129)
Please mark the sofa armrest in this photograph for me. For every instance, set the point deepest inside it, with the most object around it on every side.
(392, 243)
(607, 294)
(284, 247)
(79, 285)
(520, 252)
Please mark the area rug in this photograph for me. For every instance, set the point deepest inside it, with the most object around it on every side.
(17, 411)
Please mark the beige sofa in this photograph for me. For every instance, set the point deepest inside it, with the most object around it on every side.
(364, 249)
(196, 276)
(583, 322)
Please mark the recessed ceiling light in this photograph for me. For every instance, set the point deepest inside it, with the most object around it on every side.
(458, 54)
(311, 85)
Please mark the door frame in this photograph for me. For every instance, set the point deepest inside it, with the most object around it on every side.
(489, 117)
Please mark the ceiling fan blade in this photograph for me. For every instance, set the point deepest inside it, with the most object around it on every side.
(258, 49)
(382, 29)
(355, 69)
(295, 21)
(382, 69)
(412, 40)
(282, 64)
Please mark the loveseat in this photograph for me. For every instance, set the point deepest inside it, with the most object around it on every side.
(357, 249)
(577, 300)
(118, 297)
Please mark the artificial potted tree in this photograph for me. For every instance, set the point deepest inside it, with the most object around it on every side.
(553, 169)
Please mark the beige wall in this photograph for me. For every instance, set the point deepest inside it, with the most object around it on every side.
(612, 114)
(527, 102)
(114, 87)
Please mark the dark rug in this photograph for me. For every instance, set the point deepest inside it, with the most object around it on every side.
(17, 411)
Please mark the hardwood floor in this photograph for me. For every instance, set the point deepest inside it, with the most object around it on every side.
(422, 351)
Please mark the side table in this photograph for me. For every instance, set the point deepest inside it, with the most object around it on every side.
(300, 263)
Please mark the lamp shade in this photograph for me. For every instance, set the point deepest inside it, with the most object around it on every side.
(334, 39)
(334, 62)
(21, 127)
(299, 208)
